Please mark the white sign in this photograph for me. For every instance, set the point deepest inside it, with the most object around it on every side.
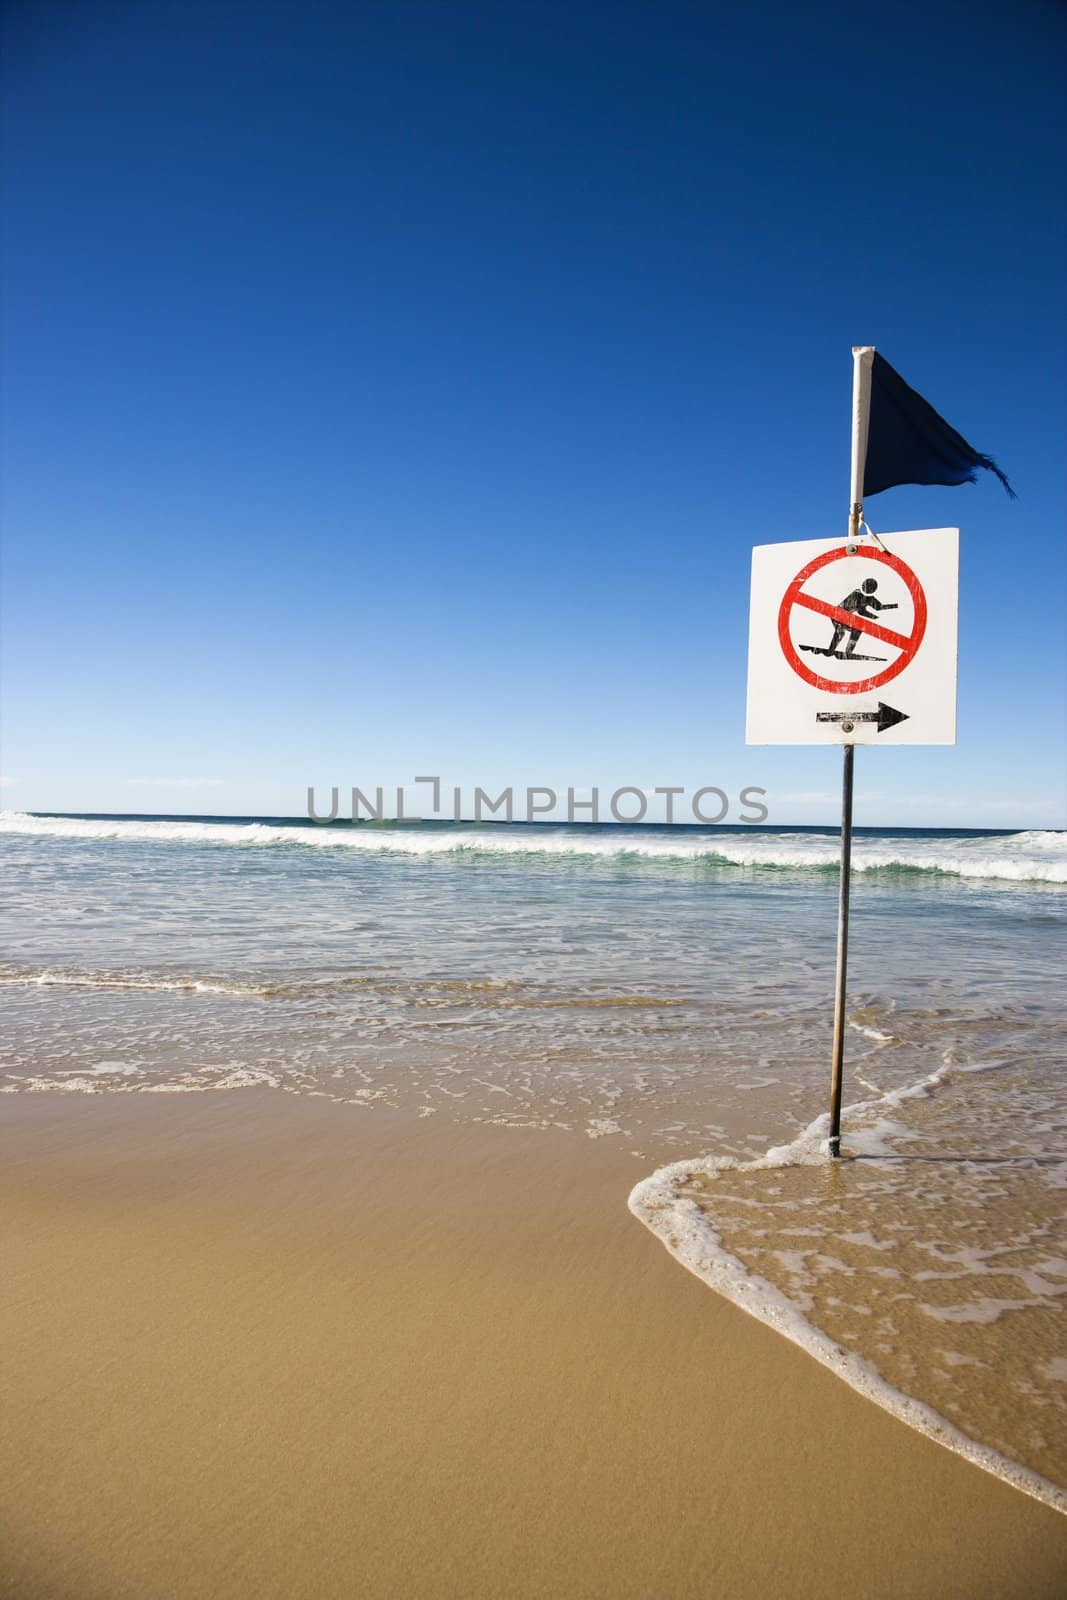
(854, 649)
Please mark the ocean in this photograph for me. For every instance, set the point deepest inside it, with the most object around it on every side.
(667, 989)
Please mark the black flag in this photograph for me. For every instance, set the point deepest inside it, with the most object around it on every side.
(907, 442)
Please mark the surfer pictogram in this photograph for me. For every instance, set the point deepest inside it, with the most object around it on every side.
(861, 603)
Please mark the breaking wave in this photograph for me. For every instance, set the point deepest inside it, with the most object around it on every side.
(1028, 857)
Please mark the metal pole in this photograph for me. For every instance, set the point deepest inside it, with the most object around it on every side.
(837, 1062)
(862, 362)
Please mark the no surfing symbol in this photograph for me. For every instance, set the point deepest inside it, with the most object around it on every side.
(856, 632)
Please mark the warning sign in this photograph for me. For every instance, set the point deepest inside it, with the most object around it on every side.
(828, 629)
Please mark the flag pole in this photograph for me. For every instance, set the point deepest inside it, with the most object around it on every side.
(862, 361)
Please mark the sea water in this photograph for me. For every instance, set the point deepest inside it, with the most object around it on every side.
(667, 988)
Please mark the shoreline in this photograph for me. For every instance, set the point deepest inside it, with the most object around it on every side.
(260, 1344)
(696, 1246)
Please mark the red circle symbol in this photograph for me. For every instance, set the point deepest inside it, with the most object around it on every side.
(906, 643)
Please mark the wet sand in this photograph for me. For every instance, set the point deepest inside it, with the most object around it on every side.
(261, 1346)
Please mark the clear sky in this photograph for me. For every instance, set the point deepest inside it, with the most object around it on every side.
(399, 388)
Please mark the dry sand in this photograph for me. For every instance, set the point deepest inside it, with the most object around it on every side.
(262, 1346)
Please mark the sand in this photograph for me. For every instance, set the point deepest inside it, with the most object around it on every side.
(261, 1346)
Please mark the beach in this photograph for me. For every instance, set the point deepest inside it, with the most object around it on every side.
(446, 1209)
(533, 857)
(258, 1345)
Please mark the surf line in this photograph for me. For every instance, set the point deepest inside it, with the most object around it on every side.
(688, 1233)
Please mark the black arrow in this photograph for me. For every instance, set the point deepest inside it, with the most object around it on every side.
(885, 717)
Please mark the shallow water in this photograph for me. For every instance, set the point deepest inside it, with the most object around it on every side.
(666, 988)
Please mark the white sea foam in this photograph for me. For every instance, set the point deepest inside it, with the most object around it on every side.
(1032, 856)
(59, 978)
(112, 1077)
(688, 1231)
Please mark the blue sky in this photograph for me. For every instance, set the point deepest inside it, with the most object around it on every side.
(400, 388)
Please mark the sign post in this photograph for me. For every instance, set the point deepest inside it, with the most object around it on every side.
(837, 1057)
(831, 626)
(862, 361)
